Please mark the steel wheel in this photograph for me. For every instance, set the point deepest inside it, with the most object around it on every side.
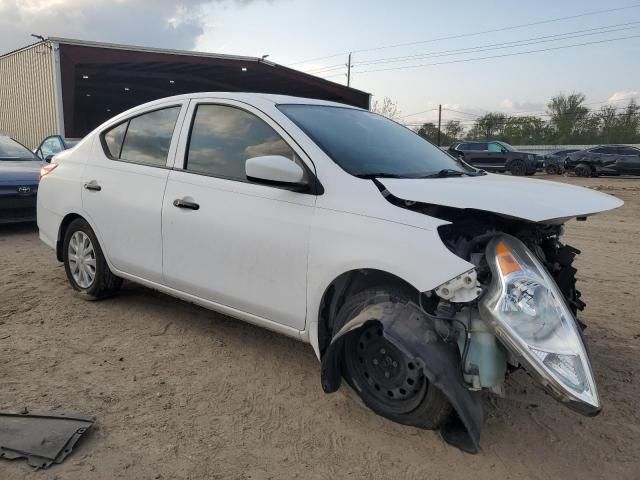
(384, 372)
(82, 259)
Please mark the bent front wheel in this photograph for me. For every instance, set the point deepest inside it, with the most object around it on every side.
(388, 381)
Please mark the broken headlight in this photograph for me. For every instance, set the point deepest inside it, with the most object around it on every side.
(530, 316)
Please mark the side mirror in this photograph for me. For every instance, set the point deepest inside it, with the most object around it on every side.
(48, 158)
(275, 170)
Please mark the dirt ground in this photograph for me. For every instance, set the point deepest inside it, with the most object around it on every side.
(182, 392)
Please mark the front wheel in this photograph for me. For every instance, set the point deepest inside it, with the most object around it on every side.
(84, 263)
(388, 381)
(552, 169)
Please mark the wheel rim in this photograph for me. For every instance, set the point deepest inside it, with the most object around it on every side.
(518, 168)
(82, 259)
(384, 372)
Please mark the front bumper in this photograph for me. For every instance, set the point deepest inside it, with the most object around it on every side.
(17, 209)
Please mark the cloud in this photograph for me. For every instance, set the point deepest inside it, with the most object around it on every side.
(508, 105)
(625, 96)
(153, 23)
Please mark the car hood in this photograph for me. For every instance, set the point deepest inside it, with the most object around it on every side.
(19, 172)
(528, 199)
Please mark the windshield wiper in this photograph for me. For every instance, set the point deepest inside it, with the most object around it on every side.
(371, 176)
(449, 172)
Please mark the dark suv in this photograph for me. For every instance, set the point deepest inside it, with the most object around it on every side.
(605, 160)
(495, 156)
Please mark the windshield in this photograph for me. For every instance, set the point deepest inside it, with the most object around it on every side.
(508, 147)
(12, 150)
(367, 144)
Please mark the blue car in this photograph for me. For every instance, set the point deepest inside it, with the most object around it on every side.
(19, 176)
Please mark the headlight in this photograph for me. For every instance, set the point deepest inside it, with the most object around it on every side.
(529, 314)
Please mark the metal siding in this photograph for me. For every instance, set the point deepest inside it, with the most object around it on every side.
(27, 94)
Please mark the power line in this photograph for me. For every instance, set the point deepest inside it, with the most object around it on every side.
(471, 34)
(464, 60)
(512, 44)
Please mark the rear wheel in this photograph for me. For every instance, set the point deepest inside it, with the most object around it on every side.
(518, 167)
(583, 170)
(84, 263)
(552, 169)
(387, 380)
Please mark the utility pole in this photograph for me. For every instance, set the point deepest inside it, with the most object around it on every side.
(439, 121)
(349, 71)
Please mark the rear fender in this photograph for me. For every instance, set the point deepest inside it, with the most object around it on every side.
(412, 331)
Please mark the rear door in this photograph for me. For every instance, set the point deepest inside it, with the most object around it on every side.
(477, 154)
(124, 184)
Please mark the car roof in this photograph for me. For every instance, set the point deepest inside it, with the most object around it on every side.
(251, 96)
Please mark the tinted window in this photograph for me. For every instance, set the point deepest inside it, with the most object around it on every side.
(148, 137)
(628, 151)
(12, 150)
(483, 147)
(366, 144)
(604, 151)
(51, 146)
(495, 147)
(464, 147)
(224, 138)
(113, 139)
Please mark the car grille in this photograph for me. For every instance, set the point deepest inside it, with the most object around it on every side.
(17, 208)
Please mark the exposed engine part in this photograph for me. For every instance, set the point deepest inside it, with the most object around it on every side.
(461, 289)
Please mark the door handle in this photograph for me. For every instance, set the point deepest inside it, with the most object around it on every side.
(93, 185)
(182, 203)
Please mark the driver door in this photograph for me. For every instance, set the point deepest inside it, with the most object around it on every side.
(238, 244)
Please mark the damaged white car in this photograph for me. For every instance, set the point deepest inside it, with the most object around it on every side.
(417, 278)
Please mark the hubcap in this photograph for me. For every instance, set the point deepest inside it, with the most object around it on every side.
(385, 372)
(82, 259)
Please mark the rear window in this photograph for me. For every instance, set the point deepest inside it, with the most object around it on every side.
(143, 139)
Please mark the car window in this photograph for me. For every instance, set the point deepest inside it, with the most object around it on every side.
(113, 139)
(148, 137)
(495, 147)
(481, 146)
(12, 150)
(628, 151)
(51, 146)
(599, 150)
(463, 147)
(223, 138)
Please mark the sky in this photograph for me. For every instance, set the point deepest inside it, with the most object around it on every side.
(300, 33)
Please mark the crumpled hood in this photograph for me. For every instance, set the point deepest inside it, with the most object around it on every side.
(528, 199)
(12, 172)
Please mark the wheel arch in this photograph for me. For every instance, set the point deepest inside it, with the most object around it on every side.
(62, 230)
(340, 288)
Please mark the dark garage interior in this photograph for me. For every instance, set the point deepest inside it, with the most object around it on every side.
(101, 81)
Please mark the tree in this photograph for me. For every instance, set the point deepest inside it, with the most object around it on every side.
(526, 130)
(569, 118)
(388, 108)
(488, 127)
(453, 130)
(429, 131)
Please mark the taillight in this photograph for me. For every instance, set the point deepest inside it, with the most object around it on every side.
(47, 169)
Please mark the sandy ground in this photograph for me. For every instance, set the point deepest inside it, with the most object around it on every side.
(182, 392)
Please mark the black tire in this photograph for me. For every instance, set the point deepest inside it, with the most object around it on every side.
(404, 395)
(583, 170)
(552, 169)
(104, 282)
(518, 168)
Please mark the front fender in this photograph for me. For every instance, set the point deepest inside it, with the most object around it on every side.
(412, 331)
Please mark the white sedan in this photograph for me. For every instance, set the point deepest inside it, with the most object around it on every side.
(418, 279)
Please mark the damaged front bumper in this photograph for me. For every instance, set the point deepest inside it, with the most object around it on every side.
(414, 333)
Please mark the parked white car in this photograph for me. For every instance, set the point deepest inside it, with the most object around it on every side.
(415, 277)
